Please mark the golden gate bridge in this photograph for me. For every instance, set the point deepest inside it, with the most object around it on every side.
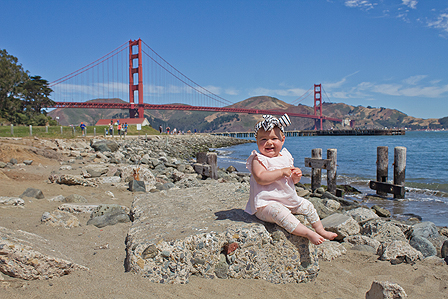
(149, 76)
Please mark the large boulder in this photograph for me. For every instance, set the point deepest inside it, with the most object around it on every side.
(28, 256)
(382, 231)
(361, 214)
(341, 224)
(399, 249)
(209, 240)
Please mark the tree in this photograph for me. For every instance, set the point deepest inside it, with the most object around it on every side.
(22, 98)
(11, 77)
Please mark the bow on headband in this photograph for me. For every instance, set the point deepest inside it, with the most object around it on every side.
(271, 122)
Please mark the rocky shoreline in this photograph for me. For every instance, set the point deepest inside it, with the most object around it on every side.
(182, 224)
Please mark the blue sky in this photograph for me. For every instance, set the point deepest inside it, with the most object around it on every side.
(391, 54)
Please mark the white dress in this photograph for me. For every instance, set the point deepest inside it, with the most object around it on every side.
(282, 190)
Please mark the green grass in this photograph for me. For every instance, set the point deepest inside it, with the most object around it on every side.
(68, 132)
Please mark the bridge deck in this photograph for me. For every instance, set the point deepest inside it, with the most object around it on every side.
(348, 132)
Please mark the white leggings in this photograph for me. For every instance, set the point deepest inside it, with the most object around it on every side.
(277, 213)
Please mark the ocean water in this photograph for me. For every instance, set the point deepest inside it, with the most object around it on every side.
(426, 168)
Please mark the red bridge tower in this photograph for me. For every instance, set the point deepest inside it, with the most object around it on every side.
(318, 106)
(136, 110)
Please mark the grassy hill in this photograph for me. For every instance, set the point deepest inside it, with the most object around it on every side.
(365, 117)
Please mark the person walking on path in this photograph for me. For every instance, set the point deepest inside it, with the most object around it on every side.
(83, 129)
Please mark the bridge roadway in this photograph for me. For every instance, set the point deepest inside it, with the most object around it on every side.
(348, 132)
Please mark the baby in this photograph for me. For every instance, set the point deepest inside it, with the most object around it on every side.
(273, 196)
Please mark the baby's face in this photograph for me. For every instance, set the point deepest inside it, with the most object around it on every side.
(270, 143)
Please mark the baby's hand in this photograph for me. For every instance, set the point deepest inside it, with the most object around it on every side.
(296, 174)
(287, 172)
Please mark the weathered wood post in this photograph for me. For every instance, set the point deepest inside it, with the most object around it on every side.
(73, 133)
(397, 188)
(12, 129)
(105, 132)
(61, 130)
(94, 132)
(382, 162)
(399, 168)
(31, 130)
(331, 171)
(316, 173)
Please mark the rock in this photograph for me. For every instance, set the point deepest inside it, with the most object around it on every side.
(2, 164)
(75, 198)
(57, 198)
(95, 171)
(137, 186)
(194, 243)
(341, 224)
(231, 169)
(331, 204)
(361, 214)
(444, 250)
(65, 167)
(105, 215)
(425, 230)
(382, 212)
(32, 192)
(28, 162)
(109, 180)
(423, 245)
(363, 240)
(28, 256)
(13, 161)
(397, 249)
(11, 201)
(382, 231)
(72, 208)
(385, 290)
(60, 218)
(104, 145)
(72, 180)
(302, 192)
(329, 250)
(322, 210)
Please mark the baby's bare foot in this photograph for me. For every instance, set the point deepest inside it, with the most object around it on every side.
(315, 238)
(328, 235)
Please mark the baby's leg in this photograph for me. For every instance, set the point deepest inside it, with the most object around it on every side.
(282, 216)
(307, 209)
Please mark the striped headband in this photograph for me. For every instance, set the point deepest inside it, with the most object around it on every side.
(270, 122)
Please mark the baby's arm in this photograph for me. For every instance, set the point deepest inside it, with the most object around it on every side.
(264, 177)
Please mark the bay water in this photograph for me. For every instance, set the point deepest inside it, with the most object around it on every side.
(426, 168)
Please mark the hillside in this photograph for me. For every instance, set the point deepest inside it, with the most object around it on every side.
(365, 117)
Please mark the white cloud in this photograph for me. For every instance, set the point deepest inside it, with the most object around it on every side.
(413, 80)
(362, 4)
(231, 91)
(440, 23)
(290, 92)
(410, 3)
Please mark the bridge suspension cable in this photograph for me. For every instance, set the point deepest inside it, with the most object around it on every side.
(306, 94)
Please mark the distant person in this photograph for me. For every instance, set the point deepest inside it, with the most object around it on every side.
(125, 129)
(168, 130)
(273, 196)
(83, 129)
(174, 131)
(119, 129)
(160, 129)
(111, 128)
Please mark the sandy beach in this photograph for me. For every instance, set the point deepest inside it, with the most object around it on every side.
(102, 251)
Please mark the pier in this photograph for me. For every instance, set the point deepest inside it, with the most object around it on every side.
(348, 132)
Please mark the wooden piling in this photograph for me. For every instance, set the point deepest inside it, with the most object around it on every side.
(399, 168)
(331, 171)
(382, 162)
(316, 153)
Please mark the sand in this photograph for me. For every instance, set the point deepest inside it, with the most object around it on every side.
(348, 276)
